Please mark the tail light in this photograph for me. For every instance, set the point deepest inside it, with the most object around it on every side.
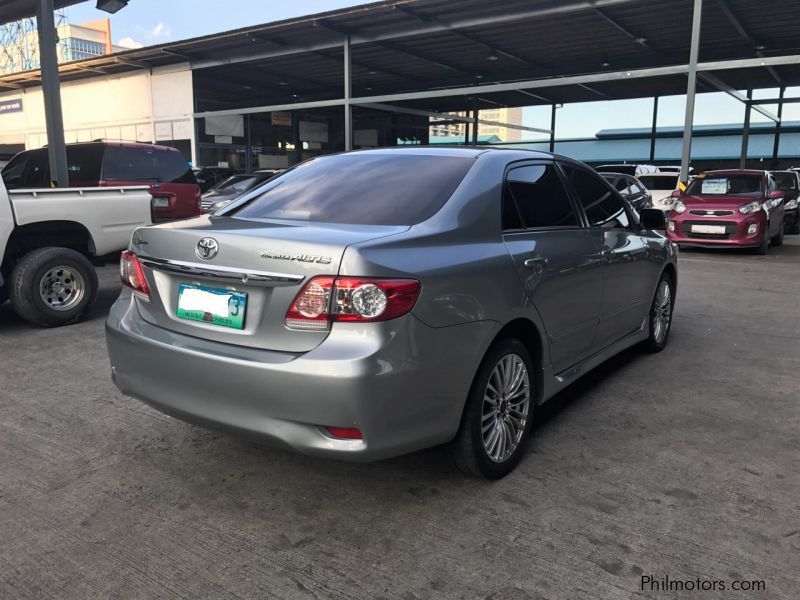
(345, 433)
(198, 197)
(132, 275)
(327, 299)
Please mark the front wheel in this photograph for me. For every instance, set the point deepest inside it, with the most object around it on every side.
(498, 414)
(777, 239)
(661, 314)
(53, 286)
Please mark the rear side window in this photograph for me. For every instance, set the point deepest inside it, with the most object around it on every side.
(540, 197)
(602, 206)
(123, 163)
(368, 189)
(37, 171)
(84, 163)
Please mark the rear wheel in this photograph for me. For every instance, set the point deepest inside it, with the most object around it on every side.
(53, 286)
(661, 314)
(498, 415)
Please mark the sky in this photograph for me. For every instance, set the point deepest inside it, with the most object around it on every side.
(148, 22)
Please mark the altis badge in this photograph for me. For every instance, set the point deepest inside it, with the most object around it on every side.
(306, 258)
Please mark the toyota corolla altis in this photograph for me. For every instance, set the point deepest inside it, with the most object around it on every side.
(369, 304)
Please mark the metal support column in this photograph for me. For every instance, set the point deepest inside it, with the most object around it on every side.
(475, 113)
(248, 150)
(51, 89)
(746, 131)
(653, 130)
(466, 129)
(348, 92)
(777, 143)
(297, 154)
(691, 86)
(552, 128)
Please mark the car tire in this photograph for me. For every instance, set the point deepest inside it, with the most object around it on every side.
(763, 248)
(498, 414)
(660, 321)
(777, 239)
(53, 286)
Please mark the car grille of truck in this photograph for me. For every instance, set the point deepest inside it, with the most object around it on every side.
(730, 230)
(711, 213)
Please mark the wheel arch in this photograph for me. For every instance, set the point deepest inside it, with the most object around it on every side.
(66, 234)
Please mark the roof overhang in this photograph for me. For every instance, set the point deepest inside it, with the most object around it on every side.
(14, 10)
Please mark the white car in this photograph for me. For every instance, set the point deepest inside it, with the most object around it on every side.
(661, 186)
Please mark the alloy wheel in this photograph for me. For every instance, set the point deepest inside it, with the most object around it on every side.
(662, 311)
(506, 408)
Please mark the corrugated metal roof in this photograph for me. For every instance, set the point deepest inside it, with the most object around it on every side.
(14, 10)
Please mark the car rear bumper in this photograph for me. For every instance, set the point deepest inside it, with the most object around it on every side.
(402, 383)
(735, 234)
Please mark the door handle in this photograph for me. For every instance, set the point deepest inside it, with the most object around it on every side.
(608, 253)
(538, 262)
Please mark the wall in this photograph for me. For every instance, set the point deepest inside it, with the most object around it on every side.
(140, 106)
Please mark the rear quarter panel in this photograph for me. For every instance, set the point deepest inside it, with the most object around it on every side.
(109, 214)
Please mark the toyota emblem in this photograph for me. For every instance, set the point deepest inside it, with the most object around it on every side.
(207, 248)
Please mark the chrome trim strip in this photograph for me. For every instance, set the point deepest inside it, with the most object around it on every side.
(230, 274)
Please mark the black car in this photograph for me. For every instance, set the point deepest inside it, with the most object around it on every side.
(789, 183)
(631, 189)
(208, 177)
(231, 188)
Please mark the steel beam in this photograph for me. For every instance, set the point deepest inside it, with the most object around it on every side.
(688, 121)
(740, 28)
(51, 90)
(734, 93)
(348, 91)
(552, 145)
(777, 141)
(746, 131)
(653, 129)
(769, 101)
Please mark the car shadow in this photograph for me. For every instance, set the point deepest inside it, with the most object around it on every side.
(10, 322)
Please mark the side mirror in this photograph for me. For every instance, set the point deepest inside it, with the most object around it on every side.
(776, 195)
(676, 193)
(652, 218)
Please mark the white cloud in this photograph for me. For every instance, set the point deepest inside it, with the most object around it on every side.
(129, 42)
(160, 30)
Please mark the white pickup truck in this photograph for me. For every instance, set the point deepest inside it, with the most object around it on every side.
(49, 239)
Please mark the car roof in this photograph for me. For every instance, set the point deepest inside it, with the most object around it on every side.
(735, 172)
(118, 144)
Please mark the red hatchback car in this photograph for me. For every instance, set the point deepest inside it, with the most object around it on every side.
(737, 208)
(175, 192)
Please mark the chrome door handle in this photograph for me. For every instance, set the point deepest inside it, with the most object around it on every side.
(537, 262)
(608, 253)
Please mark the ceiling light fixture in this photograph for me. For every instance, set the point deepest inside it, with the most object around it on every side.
(111, 6)
(493, 57)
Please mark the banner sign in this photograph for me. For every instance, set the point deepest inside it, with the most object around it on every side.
(10, 106)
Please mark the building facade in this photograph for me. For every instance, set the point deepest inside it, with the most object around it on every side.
(509, 116)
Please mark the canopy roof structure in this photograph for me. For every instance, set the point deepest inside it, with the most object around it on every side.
(602, 49)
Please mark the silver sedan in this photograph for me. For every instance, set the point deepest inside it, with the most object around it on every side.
(369, 304)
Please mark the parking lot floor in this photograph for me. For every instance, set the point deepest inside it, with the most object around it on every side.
(683, 464)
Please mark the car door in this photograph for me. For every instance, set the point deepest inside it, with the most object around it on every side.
(557, 262)
(629, 269)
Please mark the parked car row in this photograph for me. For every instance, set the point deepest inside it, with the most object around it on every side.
(228, 190)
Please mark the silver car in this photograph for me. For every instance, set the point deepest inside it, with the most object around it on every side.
(369, 304)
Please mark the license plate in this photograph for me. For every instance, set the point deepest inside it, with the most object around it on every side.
(225, 308)
(708, 228)
(161, 202)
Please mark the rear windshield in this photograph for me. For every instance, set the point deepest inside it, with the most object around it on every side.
(145, 165)
(377, 189)
(785, 181)
(658, 183)
(721, 185)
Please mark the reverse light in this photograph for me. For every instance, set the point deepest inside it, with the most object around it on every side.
(750, 208)
(132, 275)
(679, 207)
(326, 299)
(791, 204)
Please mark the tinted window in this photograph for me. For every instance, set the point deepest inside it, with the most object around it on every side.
(37, 172)
(720, 185)
(123, 163)
(540, 196)
(370, 189)
(654, 182)
(14, 170)
(785, 181)
(83, 164)
(603, 207)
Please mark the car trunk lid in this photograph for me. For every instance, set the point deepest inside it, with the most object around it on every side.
(268, 261)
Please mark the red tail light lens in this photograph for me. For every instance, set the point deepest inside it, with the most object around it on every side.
(345, 433)
(132, 274)
(326, 299)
